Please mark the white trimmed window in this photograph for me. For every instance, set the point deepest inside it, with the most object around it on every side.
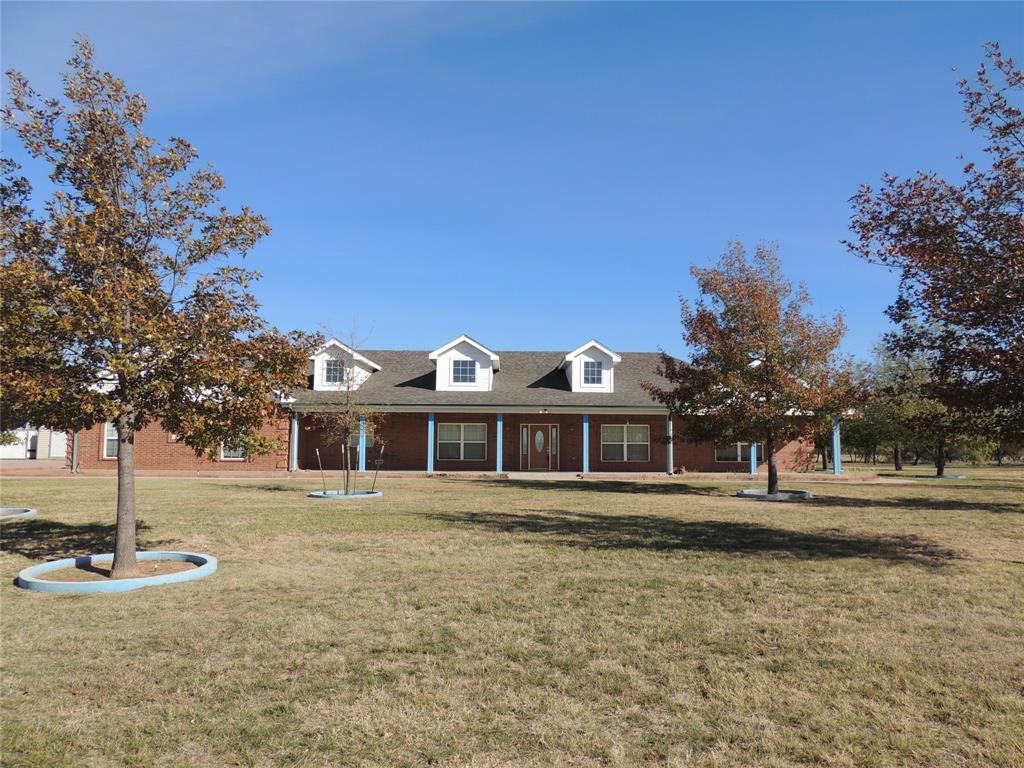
(735, 452)
(232, 454)
(625, 442)
(462, 442)
(334, 371)
(464, 371)
(353, 439)
(593, 373)
(109, 441)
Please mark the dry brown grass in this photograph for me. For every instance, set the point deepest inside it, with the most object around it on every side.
(487, 623)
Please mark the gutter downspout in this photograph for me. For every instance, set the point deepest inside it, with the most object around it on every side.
(74, 453)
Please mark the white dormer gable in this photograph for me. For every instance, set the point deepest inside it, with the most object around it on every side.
(591, 368)
(464, 365)
(337, 367)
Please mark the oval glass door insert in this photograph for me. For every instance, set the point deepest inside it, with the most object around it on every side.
(538, 440)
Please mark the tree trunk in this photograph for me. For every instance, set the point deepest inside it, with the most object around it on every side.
(824, 459)
(773, 471)
(897, 458)
(917, 456)
(344, 462)
(940, 458)
(124, 538)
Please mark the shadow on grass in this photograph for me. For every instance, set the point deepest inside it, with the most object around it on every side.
(50, 540)
(916, 503)
(647, 532)
(604, 486)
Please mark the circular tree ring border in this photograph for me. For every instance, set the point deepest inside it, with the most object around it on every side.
(16, 513)
(29, 577)
(761, 494)
(940, 477)
(340, 496)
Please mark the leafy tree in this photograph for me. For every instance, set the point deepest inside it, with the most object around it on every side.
(762, 367)
(340, 424)
(113, 308)
(903, 411)
(959, 250)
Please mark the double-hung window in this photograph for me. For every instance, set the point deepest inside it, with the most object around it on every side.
(232, 453)
(592, 373)
(625, 442)
(334, 372)
(462, 442)
(353, 439)
(735, 452)
(464, 371)
(109, 441)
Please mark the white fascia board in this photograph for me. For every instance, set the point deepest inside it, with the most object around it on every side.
(592, 343)
(348, 350)
(654, 410)
(467, 340)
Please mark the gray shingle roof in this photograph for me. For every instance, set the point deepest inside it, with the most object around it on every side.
(407, 378)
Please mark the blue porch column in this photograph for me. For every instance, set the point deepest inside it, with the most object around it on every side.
(362, 443)
(430, 443)
(500, 448)
(837, 447)
(668, 432)
(293, 444)
(586, 442)
(753, 458)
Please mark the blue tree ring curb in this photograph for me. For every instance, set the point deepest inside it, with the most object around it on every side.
(29, 578)
(16, 513)
(342, 496)
(761, 494)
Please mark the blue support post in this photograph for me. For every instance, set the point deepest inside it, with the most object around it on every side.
(668, 431)
(837, 447)
(430, 443)
(362, 443)
(586, 443)
(753, 458)
(293, 444)
(500, 449)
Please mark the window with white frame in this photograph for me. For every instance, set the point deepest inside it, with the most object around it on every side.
(592, 372)
(464, 371)
(625, 442)
(462, 442)
(735, 452)
(232, 453)
(353, 439)
(109, 441)
(334, 371)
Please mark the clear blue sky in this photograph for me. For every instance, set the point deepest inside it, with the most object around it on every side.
(536, 175)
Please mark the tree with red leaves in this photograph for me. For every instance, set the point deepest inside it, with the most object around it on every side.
(959, 250)
(762, 368)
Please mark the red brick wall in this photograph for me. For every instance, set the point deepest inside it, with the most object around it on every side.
(406, 447)
(154, 449)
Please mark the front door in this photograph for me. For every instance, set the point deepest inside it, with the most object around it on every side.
(541, 446)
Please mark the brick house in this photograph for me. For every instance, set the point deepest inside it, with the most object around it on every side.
(464, 407)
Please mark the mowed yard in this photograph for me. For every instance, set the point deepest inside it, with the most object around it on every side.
(486, 622)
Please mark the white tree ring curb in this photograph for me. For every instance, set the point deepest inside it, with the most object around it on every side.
(16, 513)
(29, 578)
(761, 494)
(342, 496)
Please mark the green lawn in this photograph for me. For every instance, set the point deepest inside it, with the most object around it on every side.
(488, 622)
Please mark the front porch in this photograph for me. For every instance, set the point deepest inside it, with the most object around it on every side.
(450, 442)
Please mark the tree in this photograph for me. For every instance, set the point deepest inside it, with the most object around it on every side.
(341, 424)
(959, 250)
(113, 309)
(762, 368)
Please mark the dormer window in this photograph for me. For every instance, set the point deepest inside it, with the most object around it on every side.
(591, 368)
(464, 371)
(334, 372)
(464, 365)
